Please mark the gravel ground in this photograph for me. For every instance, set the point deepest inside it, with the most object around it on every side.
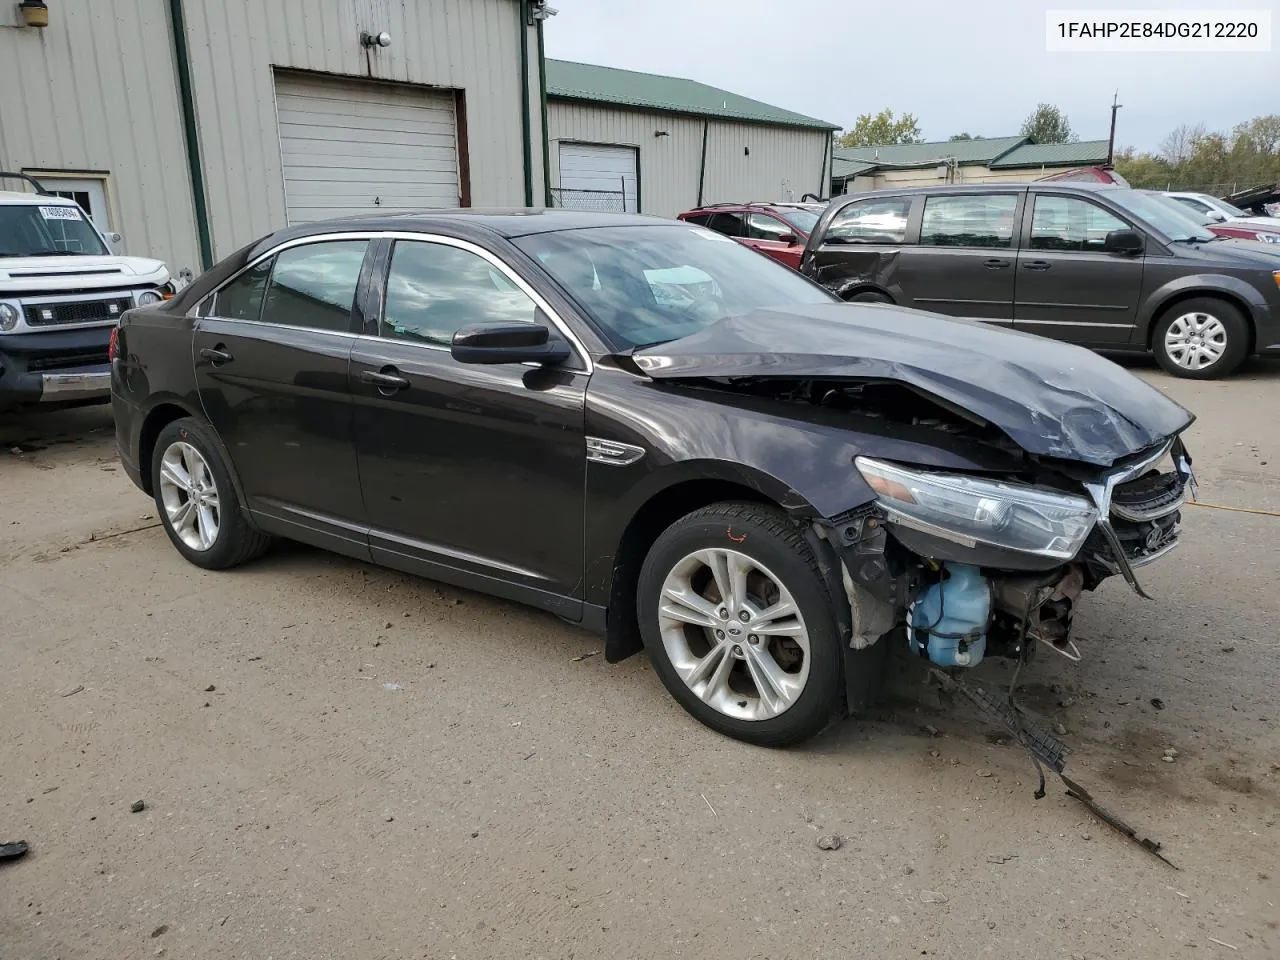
(340, 761)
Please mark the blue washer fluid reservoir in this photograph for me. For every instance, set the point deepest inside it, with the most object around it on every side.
(948, 622)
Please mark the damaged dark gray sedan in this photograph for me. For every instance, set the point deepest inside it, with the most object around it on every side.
(651, 431)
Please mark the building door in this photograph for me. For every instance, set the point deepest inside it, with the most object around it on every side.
(595, 176)
(89, 192)
(351, 147)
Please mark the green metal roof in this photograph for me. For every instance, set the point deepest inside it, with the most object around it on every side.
(629, 88)
(842, 168)
(964, 151)
(1080, 154)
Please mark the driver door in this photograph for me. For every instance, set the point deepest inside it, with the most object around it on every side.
(471, 474)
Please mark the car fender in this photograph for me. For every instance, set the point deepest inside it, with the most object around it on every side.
(855, 271)
(191, 406)
(1198, 284)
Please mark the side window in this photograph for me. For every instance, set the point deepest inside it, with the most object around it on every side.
(433, 290)
(875, 220)
(1199, 206)
(968, 220)
(761, 226)
(241, 299)
(314, 285)
(701, 219)
(1069, 223)
(730, 224)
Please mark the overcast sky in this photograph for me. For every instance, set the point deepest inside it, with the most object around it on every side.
(978, 66)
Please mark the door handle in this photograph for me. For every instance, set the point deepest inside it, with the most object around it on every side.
(216, 355)
(387, 380)
(994, 264)
(1037, 264)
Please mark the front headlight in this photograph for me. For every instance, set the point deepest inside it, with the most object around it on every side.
(147, 297)
(9, 316)
(971, 511)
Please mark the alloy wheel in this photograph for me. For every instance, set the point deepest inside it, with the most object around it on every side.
(189, 495)
(1196, 340)
(734, 634)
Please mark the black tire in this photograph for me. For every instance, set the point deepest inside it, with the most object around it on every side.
(1233, 324)
(766, 536)
(236, 541)
(870, 296)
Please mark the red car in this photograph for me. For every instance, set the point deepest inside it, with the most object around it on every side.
(779, 230)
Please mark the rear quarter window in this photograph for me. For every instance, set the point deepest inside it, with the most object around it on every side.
(874, 220)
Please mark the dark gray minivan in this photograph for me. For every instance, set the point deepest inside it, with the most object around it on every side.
(1105, 267)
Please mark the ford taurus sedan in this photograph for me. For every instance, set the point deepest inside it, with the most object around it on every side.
(647, 429)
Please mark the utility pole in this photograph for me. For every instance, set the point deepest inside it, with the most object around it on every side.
(1111, 141)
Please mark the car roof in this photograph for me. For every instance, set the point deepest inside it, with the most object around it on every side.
(505, 222)
(999, 186)
(35, 199)
(765, 205)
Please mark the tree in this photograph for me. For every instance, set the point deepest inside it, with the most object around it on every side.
(875, 129)
(1261, 133)
(1177, 146)
(1193, 158)
(965, 136)
(1048, 124)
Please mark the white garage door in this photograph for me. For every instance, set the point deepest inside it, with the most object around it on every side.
(597, 177)
(357, 148)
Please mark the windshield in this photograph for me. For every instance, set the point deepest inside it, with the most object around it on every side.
(1229, 209)
(647, 285)
(1164, 213)
(56, 230)
(802, 220)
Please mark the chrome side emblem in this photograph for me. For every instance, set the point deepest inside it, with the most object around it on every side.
(613, 453)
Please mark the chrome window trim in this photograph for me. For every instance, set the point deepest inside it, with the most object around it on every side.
(502, 267)
(287, 245)
(410, 235)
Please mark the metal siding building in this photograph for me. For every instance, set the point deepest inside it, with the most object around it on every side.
(994, 160)
(692, 143)
(93, 100)
(97, 94)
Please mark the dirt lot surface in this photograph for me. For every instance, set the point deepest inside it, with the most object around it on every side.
(338, 761)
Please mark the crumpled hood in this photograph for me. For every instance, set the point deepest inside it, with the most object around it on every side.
(1051, 398)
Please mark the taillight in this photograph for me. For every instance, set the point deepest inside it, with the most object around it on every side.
(113, 345)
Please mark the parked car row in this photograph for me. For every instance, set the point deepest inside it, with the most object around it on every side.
(651, 431)
(1095, 264)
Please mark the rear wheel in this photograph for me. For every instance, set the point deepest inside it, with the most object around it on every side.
(739, 626)
(870, 296)
(197, 501)
(1201, 339)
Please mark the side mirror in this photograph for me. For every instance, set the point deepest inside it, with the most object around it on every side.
(789, 238)
(507, 343)
(1128, 242)
(1217, 216)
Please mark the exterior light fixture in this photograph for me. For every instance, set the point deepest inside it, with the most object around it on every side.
(35, 13)
(382, 39)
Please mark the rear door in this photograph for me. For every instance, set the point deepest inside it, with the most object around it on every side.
(1068, 286)
(469, 471)
(773, 237)
(963, 264)
(271, 359)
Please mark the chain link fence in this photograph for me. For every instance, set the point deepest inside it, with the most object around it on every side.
(600, 201)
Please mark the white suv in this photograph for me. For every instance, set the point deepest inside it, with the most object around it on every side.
(62, 292)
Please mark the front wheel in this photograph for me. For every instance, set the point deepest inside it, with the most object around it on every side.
(738, 624)
(197, 501)
(1201, 339)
